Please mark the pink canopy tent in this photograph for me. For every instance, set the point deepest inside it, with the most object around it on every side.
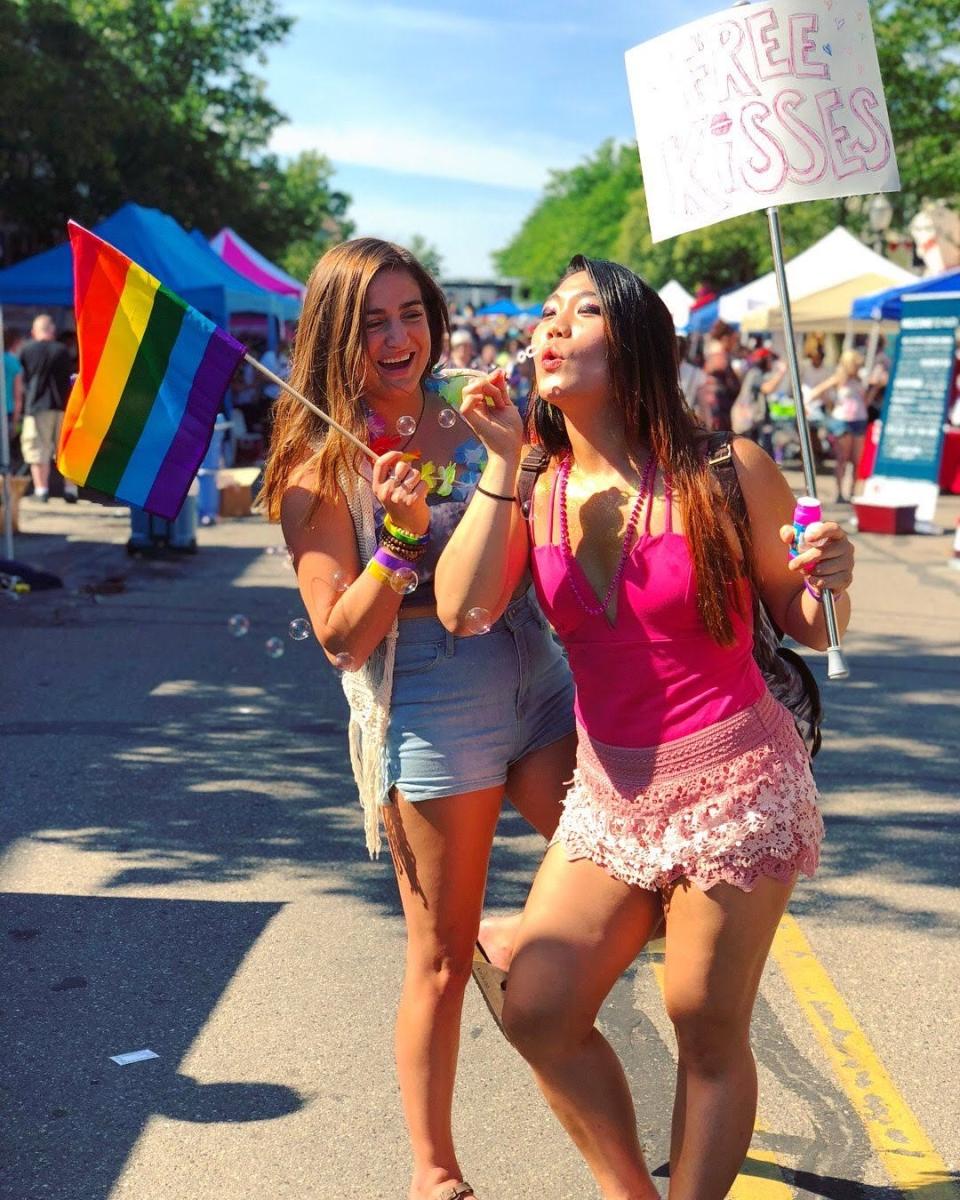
(240, 255)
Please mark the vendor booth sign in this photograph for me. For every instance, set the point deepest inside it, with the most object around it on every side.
(757, 106)
(915, 406)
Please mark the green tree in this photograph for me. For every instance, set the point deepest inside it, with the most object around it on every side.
(426, 254)
(920, 67)
(580, 213)
(600, 208)
(156, 101)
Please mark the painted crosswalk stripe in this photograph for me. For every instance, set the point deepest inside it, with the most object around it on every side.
(907, 1154)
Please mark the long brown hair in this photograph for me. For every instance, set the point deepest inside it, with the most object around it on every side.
(329, 364)
(642, 357)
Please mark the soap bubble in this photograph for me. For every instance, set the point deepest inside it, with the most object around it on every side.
(299, 629)
(446, 418)
(239, 625)
(345, 662)
(273, 647)
(479, 620)
(340, 581)
(404, 581)
(407, 426)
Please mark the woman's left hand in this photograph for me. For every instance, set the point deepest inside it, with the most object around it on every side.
(827, 557)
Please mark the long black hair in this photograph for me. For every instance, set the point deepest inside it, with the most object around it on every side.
(645, 385)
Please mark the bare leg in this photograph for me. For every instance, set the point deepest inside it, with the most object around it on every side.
(581, 929)
(40, 473)
(717, 944)
(535, 787)
(855, 452)
(440, 851)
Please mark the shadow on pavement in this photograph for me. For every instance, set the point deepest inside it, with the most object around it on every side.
(86, 978)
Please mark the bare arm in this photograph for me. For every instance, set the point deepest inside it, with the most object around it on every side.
(485, 559)
(770, 505)
(769, 386)
(350, 610)
(825, 386)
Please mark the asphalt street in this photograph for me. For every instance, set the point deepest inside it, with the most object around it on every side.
(182, 870)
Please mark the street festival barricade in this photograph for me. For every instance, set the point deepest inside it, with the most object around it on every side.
(907, 466)
(757, 106)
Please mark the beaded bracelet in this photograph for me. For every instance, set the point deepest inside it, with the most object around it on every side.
(402, 549)
(404, 535)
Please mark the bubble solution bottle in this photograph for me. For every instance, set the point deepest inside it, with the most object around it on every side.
(806, 513)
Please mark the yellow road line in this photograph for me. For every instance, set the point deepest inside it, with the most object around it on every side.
(907, 1154)
(765, 1181)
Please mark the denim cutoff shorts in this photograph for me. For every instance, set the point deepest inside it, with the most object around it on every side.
(464, 709)
(838, 427)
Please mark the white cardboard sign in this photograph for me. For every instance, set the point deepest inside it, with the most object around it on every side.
(763, 104)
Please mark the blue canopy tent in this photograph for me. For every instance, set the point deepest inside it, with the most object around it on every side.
(161, 246)
(500, 308)
(888, 305)
(701, 319)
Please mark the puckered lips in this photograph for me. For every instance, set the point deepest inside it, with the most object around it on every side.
(551, 359)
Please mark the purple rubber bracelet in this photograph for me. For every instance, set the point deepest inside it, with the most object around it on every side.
(818, 596)
(390, 561)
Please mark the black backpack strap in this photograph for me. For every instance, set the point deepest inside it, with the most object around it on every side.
(720, 461)
(533, 465)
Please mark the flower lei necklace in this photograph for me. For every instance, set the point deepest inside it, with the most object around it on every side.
(593, 607)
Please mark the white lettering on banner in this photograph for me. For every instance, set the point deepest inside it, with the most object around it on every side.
(766, 104)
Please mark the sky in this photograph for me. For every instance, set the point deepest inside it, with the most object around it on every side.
(444, 118)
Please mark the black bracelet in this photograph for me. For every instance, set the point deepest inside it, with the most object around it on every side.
(495, 495)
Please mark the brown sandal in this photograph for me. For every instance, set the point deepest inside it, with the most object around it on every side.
(492, 982)
(455, 1191)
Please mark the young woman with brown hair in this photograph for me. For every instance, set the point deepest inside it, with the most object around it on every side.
(440, 726)
(693, 800)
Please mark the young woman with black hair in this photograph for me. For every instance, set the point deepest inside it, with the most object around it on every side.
(693, 800)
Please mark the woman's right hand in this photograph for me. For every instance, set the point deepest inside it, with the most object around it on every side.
(491, 414)
(397, 485)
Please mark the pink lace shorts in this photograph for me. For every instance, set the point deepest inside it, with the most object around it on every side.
(731, 803)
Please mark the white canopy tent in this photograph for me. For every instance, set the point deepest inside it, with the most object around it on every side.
(678, 300)
(833, 260)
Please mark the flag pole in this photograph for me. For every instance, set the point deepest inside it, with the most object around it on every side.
(836, 663)
(5, 454)
(313, 408)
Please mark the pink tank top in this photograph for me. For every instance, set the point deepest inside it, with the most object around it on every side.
(656, 674)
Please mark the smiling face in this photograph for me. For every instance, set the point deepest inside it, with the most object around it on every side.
(572, 363)
(397, 336)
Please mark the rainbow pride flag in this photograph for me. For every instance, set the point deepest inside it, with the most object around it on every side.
(152, 374)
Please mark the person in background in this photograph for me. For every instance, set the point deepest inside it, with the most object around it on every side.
(13, 375)
(47, 368)
(877, 380)
(462, 350)
(694, 384)
(847, 423)
(488, 357)
(277, 361)
(724, 380)
(813, 372)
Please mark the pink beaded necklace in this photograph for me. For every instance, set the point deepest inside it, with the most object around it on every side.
(593, 607)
